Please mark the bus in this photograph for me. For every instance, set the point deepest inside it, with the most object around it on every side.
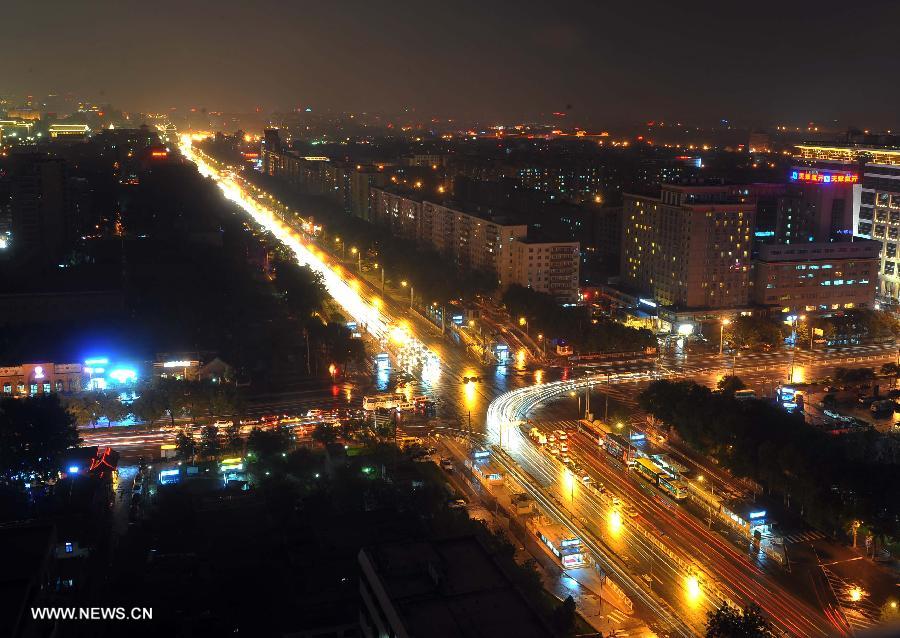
(666, 482)
(618, 447)
(743, 395)
(564, 545)
(385, 401)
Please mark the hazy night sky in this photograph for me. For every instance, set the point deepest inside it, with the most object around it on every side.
(612, 61)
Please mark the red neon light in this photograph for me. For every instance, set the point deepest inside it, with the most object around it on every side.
(159, 154)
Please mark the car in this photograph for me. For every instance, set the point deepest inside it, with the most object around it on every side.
(457, 503)
(551, 438)
(630, 512)
(553, 450)
(585, 478)
(600, 487)
(563, 447)
(565, 459)
(616, 501)
(561, 435)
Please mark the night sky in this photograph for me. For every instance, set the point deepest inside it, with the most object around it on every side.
(610, 62)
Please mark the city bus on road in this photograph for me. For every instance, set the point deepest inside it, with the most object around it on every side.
(384, 401)
(666, 482)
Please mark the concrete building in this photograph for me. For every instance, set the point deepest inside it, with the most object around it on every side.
(876, 206)
(816, 210)
(448, 587)
(545, 266)
(479, 241)
(690, 247)
(40, 207)
(30, 379)
(816, 277)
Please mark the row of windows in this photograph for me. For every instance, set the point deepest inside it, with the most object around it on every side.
(34, 388)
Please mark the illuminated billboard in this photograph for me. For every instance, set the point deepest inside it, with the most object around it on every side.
(820, 176)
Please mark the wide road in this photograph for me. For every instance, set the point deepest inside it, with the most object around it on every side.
(686, 575)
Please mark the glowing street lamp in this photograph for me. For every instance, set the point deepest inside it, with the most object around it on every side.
(725, 322)
(405, 283)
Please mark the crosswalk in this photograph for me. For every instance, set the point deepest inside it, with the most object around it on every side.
(617, 617)
(804, 537)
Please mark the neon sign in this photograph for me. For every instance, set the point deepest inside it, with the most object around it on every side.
(824, 177)
(38, 372)
(178, 364)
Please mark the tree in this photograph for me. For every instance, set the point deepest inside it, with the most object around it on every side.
(34, 433)
(186, 447)
(754, 332)
(564, 615)
(209, 441)
(233, 437)
(324, 434)
(84, 409)
(729, 622)
(730, 384)
(149, 406)
(111, 408)
(265, 444)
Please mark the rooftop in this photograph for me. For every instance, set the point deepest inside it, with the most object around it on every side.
(452, 587)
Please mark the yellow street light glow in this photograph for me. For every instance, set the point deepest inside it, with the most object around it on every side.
(692, 587)
(520, 357)
(614, 521)
(856, 594)
(404, 283)
(521, 321)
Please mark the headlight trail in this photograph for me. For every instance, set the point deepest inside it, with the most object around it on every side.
(342, 287)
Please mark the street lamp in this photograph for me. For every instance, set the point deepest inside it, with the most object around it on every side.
(405, 283)
(523, 321)
(725, 322)
(355, 251)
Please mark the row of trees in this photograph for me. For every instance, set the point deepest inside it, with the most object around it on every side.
(402, 259)
(160, 399)
(832, 480)
(575, 325)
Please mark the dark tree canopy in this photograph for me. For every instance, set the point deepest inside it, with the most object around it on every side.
(34, 433)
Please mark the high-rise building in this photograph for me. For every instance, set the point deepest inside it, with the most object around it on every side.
(40, 207)
(874, 178)
(550, 267)
(690, 247)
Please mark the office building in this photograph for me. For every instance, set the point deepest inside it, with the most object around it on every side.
(816, 277)
(447, 587)
(876, 212)
(690, 246)
(819, 203)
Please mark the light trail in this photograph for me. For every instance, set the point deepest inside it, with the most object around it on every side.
(736, 578)
(346, 290)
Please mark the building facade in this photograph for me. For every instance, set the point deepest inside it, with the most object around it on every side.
(876, 211)
(817, 277)
(548, 267)
(690, 247)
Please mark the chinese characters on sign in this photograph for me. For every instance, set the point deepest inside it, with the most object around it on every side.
(824, 177)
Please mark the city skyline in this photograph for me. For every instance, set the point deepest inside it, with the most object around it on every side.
(601, 65)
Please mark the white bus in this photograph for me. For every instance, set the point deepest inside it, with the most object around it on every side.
(386, 401)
